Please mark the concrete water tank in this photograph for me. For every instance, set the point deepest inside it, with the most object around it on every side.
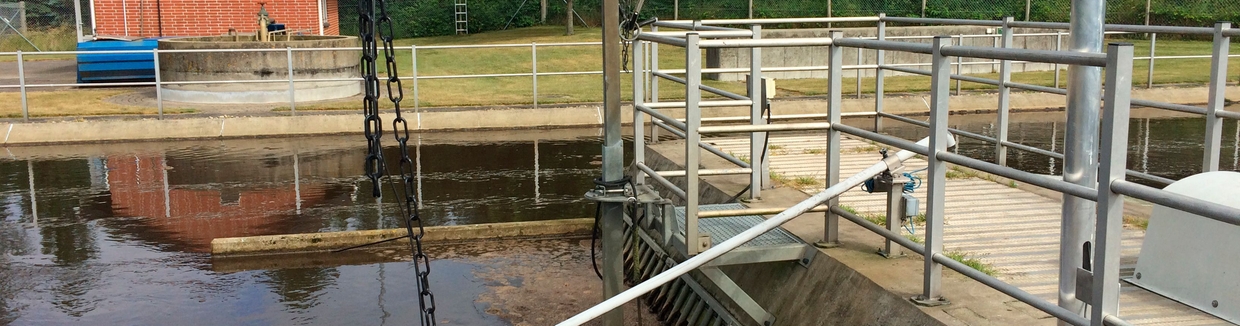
(252, 66)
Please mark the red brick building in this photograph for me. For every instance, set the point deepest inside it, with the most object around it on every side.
(152, 18)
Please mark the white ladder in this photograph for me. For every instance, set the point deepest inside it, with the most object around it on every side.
(462, 18)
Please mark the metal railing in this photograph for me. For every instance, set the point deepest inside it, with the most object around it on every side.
(534, 73)
(1103, 278)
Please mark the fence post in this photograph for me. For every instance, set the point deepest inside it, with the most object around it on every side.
(676, 10)
(1114, 154)
(959, 63)
(835, 57)
(857, 72)
(534, 69)
(159, 89)
(1058, 46)
(413, 52)
(292, 90)
(1005, 76)
(1149, 75)
(21, 81)
(21, 8)
(757, 140)
(654, 83)
(923, 8)
(879, 59)
(639, 140)
(1218, 85)
(940, 80)
(693, 120)
(1147, 12)
(1028, 4)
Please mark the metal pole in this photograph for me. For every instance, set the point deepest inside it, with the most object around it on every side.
(936, 184)
(534, 69)
(1149, 75)
(612, 225)
(895, 215)
(1080, 145)
(21, 81)
(1005, 76)
(923, 8)
(879, 59)
(292, 91)
(413, 54)
(159, 91)
(676, 10)
(835, 57)
(857, 73)
(639, 88)
(1058, 46)
(1147, 12)
(1028, 4)
(654, 83)
(959, 63)
(757, 140)
(750, 9)
(693, 121)
(1114, 151)
(1218, 93)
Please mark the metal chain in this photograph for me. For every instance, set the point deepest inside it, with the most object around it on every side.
(400, 130)
(370, 104)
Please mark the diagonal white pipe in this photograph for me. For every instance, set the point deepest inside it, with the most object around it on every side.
(737, 241)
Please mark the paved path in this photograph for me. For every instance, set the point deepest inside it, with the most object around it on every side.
(1015, 231)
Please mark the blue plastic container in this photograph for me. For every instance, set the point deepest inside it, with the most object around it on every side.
(116, 67)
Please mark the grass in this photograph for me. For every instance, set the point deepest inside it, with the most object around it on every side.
(1142, 223)
(864, 149)
(51, 39)
(957, 173)
(814, 151)
(44, 104)
(779, 178)
(805, 181)
(915, 238)
(1011, 184)
(972, 262)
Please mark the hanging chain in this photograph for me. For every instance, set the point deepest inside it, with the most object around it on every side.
(400, 131)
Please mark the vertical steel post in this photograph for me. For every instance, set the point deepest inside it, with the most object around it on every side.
(1149, 74)
(654, 83)
(612, 225)
(1218, 93)
(534, 70)
(21, 81)
(292, 97)
(750, 9)
(923, 8)
(1080, 145)
(1028, 4)
(413, 54)
(835, 57)
(675, 9)
(879, 59)
(1114, 162)
(895, 216)
(959, 63)
(1147, 12)
(857, 72)
(757, 140)
(940, 79)
(1005, 101)
(159, 89)
(639, 96)
(693, 121)
(1058, 46)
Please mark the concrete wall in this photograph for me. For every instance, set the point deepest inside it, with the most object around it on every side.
(817, 56)
(264, 65)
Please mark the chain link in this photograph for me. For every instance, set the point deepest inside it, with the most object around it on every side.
(400, 131)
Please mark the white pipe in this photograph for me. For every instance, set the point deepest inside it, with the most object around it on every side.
(125, 15)
(92, 19)
(320, 5)
(740, 239)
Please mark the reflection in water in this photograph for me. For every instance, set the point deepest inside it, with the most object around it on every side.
(117, 233)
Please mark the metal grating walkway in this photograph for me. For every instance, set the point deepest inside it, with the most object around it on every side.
(723, 228)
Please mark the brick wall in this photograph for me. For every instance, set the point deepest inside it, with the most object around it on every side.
(208, 17)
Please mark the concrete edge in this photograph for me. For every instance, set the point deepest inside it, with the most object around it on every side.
(309, 242)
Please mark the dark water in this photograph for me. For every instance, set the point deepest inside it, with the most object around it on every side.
(1165, 146)
(118, 234)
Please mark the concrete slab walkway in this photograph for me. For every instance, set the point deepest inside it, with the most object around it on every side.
(1013, 230)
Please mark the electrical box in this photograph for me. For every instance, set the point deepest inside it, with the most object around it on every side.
(910, 205)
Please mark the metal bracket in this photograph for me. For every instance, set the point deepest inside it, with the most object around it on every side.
(929, 302)
(738, 296)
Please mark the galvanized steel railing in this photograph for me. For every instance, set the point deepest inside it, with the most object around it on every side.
(1112, 186)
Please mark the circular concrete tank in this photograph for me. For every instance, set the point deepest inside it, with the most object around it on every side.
(264, 65)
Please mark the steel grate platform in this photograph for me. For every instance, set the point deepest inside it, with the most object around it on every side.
(724, 228)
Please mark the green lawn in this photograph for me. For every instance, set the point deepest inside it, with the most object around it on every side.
(588, 88)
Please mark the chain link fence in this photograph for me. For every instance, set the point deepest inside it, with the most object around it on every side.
(44, 25)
